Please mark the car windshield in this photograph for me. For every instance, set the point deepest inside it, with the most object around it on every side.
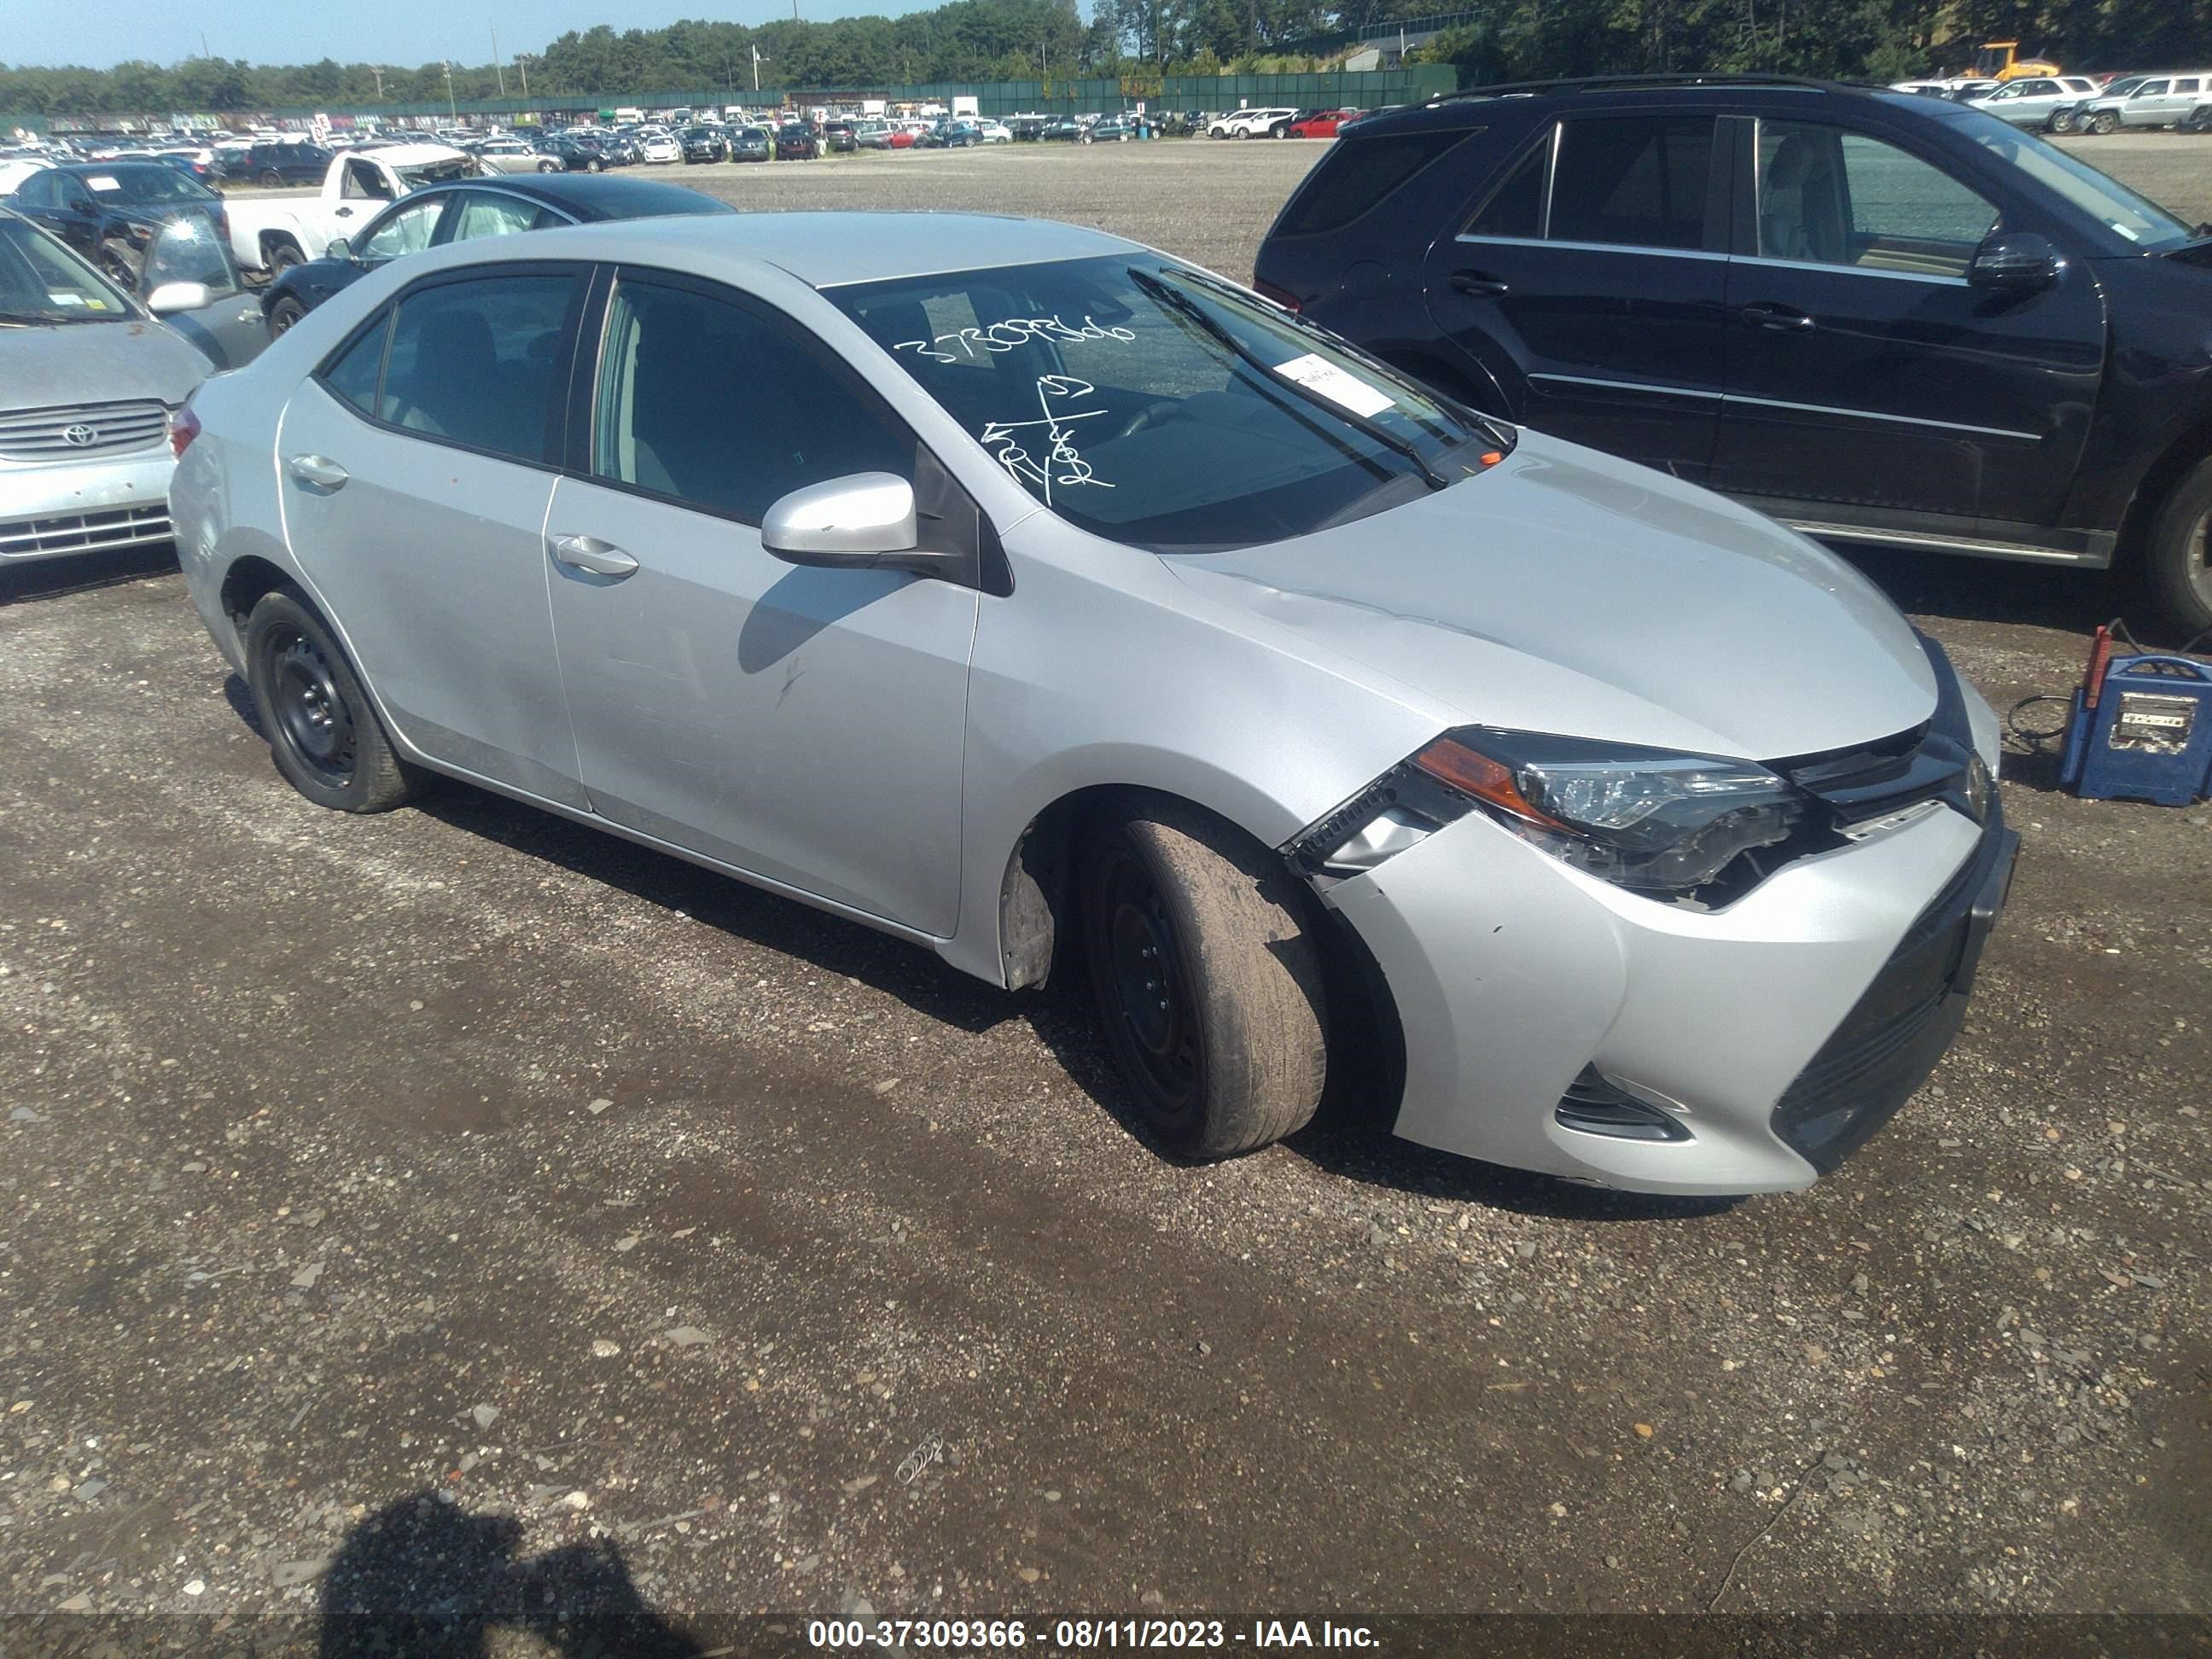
(1157, 405)
(42, 281)
(2112, 203)
(147, 184)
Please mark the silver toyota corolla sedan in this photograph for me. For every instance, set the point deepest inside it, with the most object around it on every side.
(1054, 604)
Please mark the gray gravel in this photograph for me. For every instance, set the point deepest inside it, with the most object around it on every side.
(394, 1208)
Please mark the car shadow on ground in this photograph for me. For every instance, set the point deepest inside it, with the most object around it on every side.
(47, 579)
(422, 1578)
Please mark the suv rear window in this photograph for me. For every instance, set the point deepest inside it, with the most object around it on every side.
(1358, 174)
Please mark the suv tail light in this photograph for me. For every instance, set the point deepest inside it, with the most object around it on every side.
(184, 426)
(1281, 296)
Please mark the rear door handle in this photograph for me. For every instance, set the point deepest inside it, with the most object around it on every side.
(590, 553)
(319, 471)
(1480, 284)
(1767, 314)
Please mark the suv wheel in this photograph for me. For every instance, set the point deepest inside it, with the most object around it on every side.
(1206, 978)
(2104, 122)
(2179, 564)
(2062, 120)
(287, 311)
(270, 178)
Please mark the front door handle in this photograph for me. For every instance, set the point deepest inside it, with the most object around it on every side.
(1784, 319)
(590, 553)
(319, 471)
(1481, 283)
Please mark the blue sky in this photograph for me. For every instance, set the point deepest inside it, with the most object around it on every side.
(404, 32)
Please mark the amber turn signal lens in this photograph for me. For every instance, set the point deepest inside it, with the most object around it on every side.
(1477, 774)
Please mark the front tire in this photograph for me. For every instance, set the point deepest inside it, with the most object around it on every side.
(287, 311)
(322, 730)
(119, 263)
(2179, 562)
(1206, 978)
(2105, 123)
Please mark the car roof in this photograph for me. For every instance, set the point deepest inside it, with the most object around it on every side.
(1478, 106)
(827, 250)
(589, 196)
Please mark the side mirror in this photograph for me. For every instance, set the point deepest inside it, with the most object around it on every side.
(171, 298)
(866, 521)
(337, 248)
(2016, 262)
(83, 204)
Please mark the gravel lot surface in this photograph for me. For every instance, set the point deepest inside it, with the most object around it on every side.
(461, 1207)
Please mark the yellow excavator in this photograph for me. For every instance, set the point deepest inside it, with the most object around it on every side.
(2000, 60)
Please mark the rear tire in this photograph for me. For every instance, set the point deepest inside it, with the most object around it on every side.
(271, 179)
(322, 729)
(2180, 552)
(283, 255)
(2061, 121)
(1207, 979)
(549, 166)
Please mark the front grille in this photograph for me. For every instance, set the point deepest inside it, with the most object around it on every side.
(84, 532)
(1892, 1038)
(61, 434)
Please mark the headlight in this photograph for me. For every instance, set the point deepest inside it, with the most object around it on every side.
(1639, 817)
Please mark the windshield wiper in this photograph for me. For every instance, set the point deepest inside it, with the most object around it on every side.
(40, 319)
(1169, 294)
(1499, 437)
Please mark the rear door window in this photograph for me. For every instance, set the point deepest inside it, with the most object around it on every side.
(1635, 181)
(475, 363)
(1515, 208)
(488, 213)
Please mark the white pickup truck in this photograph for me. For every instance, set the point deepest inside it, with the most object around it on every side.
(269, 235)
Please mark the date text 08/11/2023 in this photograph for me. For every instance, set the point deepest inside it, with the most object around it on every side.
(1078, 1635)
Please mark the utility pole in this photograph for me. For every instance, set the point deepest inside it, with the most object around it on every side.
(377, 69)
(757, 61)
(497, 69)
(452, 109)
(204, 52)
(522, 68)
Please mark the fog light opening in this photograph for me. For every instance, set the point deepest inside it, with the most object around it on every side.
(1593, 1106)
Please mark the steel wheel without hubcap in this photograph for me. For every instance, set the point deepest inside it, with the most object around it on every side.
(312, 718)
(1151, 1020)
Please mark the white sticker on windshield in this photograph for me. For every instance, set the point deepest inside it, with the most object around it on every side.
(102, 181)
(65, 299)
(1317, 373)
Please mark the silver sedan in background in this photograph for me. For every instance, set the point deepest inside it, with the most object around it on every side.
(1056, 604)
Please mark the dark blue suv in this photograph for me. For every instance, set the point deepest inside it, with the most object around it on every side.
(1880, 318)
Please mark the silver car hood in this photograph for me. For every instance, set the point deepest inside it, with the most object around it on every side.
(96, 363)
(1570, 592)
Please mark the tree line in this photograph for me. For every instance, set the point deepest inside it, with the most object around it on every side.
(1023, 39)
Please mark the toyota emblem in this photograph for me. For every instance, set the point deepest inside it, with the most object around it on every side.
(81, 435)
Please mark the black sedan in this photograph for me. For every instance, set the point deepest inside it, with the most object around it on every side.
(462, 211)
(108, 211)
(796, 142)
